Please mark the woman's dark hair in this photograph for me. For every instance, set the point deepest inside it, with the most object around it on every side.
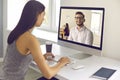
(66, 30)
(27, 20)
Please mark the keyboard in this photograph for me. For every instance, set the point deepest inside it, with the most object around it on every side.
(57, 57)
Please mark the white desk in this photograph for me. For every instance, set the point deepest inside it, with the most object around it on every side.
(92, 64)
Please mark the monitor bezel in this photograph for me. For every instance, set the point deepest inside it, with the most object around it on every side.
(85, 8)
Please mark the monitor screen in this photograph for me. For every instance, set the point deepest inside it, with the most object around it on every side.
(81, 26)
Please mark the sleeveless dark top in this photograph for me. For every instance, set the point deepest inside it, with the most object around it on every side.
(15, 65)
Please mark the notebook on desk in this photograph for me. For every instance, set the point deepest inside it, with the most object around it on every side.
(103, 73)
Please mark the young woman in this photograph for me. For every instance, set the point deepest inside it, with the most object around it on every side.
(23, 47)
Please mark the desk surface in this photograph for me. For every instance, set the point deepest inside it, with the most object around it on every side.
(92, 64)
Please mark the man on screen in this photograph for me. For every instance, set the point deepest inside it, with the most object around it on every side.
(80, 33)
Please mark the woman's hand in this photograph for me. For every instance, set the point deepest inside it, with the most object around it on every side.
(64, 60)
(49, 56)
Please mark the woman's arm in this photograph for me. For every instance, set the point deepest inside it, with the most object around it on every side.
(48, 72)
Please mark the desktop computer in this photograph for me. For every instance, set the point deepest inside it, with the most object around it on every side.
(93, 23)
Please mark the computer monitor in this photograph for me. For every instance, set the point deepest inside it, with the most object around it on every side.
(91, 31)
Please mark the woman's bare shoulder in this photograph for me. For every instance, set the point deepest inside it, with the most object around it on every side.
(31, 38)
(27, 39)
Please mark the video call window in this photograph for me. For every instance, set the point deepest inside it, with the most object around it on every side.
(93, 21)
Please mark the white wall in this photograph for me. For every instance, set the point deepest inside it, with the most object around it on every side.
(111, 38)
(5, 33)
(1, 29)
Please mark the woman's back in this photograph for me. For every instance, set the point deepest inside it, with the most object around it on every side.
(15, 64)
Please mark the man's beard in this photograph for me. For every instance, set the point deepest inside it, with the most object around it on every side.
(80, 24)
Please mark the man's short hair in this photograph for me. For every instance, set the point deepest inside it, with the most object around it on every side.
(79, 12)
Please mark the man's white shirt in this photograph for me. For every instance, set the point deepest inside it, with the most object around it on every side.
(82, 35)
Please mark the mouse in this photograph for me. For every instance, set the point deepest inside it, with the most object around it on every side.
(76, 67)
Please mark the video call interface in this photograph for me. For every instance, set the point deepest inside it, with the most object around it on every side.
(91, 32)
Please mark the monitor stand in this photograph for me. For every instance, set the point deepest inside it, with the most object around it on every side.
(80, 55)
